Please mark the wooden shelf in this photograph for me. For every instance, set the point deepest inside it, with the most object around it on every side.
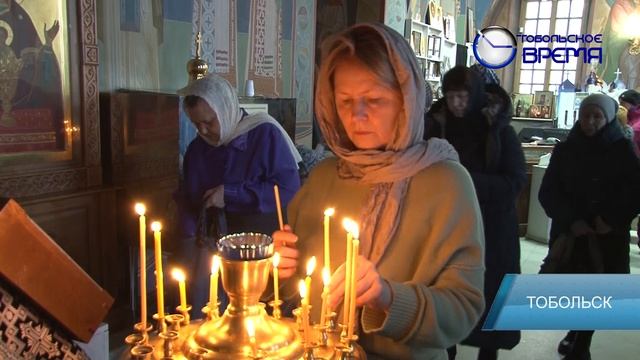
(449, 42)
(530, 119)
(430, 27)
(420, 23)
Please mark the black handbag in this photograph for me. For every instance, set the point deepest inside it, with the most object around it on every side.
(558, 260)
(211, 226)
(570, 255)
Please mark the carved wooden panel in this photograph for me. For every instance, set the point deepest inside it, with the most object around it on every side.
(140, 137)
(83, 225)
(39, 184)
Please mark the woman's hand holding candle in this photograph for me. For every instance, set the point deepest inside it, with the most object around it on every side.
(371, 289)
(284, 242)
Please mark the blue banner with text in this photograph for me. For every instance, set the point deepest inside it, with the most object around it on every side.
(566, 302)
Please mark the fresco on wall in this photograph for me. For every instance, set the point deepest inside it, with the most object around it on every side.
(303, 54)
(616, 45)
(394, 14)
(130, 15)
(218, 18)
(265, 48)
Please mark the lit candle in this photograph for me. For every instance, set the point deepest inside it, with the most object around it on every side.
(328, 213)
(311, 265)
(156, 226)
(278, 206)
(326, 279)
(348, 224)
(141, 209)
(251, 331)
(213, 284)
(179, 276)
(304, 311)
(352, 302)
(276, 290)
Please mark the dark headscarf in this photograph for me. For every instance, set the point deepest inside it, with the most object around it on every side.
(488, 75)
(463, 78)
(631, 96)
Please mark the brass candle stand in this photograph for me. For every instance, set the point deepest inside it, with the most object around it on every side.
(245, 267)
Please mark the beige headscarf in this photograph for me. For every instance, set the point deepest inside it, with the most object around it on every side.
(223, 99)
(388, 171)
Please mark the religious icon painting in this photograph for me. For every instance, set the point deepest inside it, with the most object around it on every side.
(49, 123)
(543, 98)
(416, 42)
(33, 76)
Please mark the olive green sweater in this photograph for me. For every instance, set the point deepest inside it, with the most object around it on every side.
(434, 263)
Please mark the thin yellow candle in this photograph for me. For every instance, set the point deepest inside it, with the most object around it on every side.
(304, 311)
(311, 265)
(276, 192)
(276, 289)
(213, 283)
(179, 276)
(326, 279)
(348, 224)
(156, 226)
(141, 209)
(328, 213)
(352, 302)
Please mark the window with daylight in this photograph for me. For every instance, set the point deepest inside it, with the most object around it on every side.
(548, 17)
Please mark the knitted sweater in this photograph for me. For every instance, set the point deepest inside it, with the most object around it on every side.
(434, 263)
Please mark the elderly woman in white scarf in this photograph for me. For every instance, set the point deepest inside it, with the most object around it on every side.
(419, 275)
(229, 170)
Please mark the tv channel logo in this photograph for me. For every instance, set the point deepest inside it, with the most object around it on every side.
(495, 47)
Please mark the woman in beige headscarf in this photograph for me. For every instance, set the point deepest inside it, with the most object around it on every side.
(420, 269)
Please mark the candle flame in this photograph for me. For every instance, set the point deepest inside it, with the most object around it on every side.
(276, 259)
(302, 287)
(251, 329)
(311, 265)
(329, 211)
(630, 28)
(351, 226)
(356, 231)
(178, 274)
(326, 277)
(156, 226)
(215, 264)
(140, 209)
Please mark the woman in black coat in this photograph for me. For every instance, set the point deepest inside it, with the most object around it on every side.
(590, 191)
(474, 118)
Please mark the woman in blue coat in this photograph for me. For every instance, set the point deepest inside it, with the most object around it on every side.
(229, 170)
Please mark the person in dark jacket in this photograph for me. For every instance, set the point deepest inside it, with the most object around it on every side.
(474, 117)
(590, 191)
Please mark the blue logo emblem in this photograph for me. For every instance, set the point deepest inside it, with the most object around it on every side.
(495, 47)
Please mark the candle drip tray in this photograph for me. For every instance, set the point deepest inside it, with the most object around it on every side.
(227, 337)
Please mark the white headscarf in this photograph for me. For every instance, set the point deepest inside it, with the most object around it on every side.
(223, 99)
